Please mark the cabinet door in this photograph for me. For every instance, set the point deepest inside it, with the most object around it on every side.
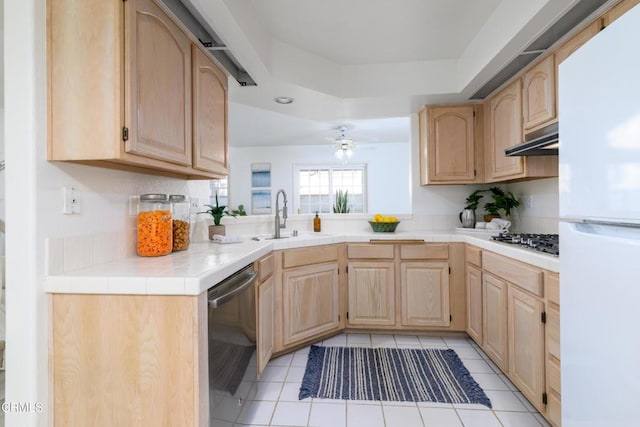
(425, 293)
(310, 302)
(209, 115)
(494, 320)
(447, 144)
(371, 293)
(552, 366)
(474, 302)
(526, 345)
(158, 112)
(539, 95)
(504, 129)
(265, 297)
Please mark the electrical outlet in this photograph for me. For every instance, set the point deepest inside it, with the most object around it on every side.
(195, 203)
(527, 202)
(71, 200)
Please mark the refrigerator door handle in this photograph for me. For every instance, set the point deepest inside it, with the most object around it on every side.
(610, 223)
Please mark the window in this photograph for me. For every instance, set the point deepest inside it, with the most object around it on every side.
(315, 187)
(221, 188)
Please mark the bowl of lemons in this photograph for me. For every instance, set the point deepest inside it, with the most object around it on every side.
(384, 224)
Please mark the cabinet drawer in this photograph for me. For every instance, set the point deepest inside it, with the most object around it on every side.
(523, 275)
(266, 266)
(366, 250)
(424, 251)
(473, 255)
(311, 255)
(552, 281)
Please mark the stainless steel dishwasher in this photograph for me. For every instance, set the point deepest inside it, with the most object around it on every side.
(232, 337)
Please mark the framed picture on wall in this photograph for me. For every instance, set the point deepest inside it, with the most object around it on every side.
(261, 175)
(260, 202)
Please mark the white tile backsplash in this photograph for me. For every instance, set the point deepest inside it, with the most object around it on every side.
(78, 252)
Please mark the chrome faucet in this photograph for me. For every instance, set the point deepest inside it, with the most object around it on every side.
(284, 213)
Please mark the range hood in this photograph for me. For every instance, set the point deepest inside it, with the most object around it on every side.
(543, 142)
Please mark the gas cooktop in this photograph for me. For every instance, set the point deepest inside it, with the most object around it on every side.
(547, 243)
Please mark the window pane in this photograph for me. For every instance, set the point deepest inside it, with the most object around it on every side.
(317, 188)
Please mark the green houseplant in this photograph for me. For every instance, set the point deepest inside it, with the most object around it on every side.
(217, 212)
(341, 202)
(500, 201)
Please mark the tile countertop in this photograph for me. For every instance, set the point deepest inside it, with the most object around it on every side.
(193, 271)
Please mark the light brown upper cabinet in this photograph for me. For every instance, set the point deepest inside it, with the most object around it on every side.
(503, 129)
(123, 97)
(450, 144)
(209, 115)
(539, 95)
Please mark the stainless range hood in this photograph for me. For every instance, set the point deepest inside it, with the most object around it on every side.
(543, 142)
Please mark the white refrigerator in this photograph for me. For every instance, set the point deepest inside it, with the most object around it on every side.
(599, 186)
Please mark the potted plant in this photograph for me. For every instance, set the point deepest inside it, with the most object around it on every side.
(500, 201)
(217, 212)
(341, 202)
(468, 215)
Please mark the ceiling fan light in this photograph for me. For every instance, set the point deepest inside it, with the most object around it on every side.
(339, 153)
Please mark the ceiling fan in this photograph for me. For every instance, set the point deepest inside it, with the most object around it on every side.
(343, 145)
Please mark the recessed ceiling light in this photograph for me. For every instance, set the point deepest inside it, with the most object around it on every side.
(283, 99)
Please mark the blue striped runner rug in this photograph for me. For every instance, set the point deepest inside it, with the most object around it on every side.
(431, 375)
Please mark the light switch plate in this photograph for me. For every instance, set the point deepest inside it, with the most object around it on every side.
(71, 200)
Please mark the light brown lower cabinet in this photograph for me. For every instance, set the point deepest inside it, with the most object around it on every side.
(425, 293)
(310, 302)
(125, 360)
(494, 320)
(474, 302)
(265, 297)
(526, 345)
(518, 314)
(371, 293)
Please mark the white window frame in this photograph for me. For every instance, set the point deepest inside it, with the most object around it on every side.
(297, 167)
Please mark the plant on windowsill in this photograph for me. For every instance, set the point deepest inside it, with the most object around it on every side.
(341, 202)
(217, 212)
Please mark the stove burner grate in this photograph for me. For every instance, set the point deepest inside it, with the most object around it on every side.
(546, 243)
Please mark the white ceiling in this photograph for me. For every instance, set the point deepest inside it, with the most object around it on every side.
(376, 31)
(356, 62)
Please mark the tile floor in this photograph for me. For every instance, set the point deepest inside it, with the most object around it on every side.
(274, 398)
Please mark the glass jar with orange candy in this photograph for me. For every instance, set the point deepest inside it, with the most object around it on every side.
(155, 227)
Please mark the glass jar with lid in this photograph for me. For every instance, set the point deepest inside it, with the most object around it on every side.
(155, 229)
(181, 212)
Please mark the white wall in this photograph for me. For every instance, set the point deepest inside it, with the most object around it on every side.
(542, 214)
(388, 172)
